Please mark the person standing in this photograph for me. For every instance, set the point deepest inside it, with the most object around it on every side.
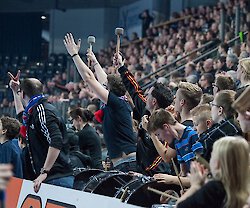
(47, 154)
(146, 20)
(115, 113)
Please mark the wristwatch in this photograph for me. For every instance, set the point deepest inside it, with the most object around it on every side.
(43, 170)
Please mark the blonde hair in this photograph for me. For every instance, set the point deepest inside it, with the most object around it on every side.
(225, 99)
(191, 93)
(245, 67)
(206, 98)
(232, 154)
(201, 112)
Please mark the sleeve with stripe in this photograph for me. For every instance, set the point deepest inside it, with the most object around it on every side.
(49, 127)
(133, 89)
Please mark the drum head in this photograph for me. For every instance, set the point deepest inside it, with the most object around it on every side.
(82, 178)
(107, 183)
(138, 193)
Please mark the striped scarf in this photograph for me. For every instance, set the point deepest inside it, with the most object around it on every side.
(28, 110)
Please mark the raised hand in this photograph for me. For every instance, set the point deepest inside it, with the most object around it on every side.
(91, 56)
(198, 174)
(14, 81)
(70, 44)
(145, 122)
(118, 61)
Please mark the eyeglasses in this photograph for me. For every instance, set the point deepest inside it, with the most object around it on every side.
(71, 120)
(212, 104)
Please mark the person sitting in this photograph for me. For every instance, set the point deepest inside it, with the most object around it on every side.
(223, 82)
(223, 121)
(229, 166)
(205, 82)
(186, 98)
(243, 72)
(202, 118)
(89, 142)
(231, 62)
(242, 106)
(163, 125)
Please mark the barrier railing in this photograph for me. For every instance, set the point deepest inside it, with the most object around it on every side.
(177, 60)
(169, 22)
(207, 54)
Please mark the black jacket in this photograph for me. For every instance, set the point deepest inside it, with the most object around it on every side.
(46, 129)
(148, 160)
(224, 128)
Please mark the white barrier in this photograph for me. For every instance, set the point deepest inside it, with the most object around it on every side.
(20, 194)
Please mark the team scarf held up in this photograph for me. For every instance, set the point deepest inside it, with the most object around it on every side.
(100, 113)
(28, 111)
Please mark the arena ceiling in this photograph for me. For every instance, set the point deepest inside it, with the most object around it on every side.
(45, 5)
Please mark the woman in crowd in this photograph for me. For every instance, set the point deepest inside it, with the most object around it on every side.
(228, 188)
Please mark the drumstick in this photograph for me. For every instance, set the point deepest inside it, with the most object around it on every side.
(176, 172)
(123, 194)
(91, 41)
(162, 193)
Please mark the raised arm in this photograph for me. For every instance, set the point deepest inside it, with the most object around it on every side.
(131, 85)
(86, 74)
(15, 87)
(100, 73)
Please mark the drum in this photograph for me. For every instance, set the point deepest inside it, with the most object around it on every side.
(107, 183)
(82, 178)
(138, 194)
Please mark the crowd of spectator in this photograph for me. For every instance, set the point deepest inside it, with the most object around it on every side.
(194, 106)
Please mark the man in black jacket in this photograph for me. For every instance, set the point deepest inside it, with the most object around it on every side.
(150, 152)
(47, 146)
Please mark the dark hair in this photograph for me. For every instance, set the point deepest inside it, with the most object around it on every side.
(12, 126)
(224, 82)
(159, 118)
(209, 77)
(31, 87)
(116, 85)
(224, 46)
(85, 114)
(222, 59)
(163, 95)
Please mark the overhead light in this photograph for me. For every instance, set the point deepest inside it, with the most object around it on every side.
(43, 17)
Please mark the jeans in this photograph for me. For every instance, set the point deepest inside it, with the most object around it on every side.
(126, 164)
(66, 182)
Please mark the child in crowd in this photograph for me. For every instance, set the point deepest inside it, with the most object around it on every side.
(202, 118)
